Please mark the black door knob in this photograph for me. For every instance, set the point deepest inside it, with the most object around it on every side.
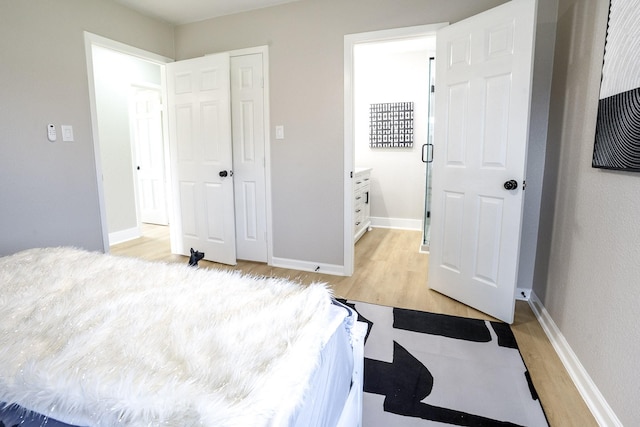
(512, 184)
(223, 173)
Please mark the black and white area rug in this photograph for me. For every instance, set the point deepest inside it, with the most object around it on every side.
(424, 369)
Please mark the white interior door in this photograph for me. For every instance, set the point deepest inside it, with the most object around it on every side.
(146, 121)
(201, 156)
(483, 92)
(247, 105)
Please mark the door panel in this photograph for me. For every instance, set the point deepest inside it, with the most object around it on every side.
(456, 130)
(249, 157)
(452, 228)
(489, 235)
(200, 141)
(188, 211)
(483, 91)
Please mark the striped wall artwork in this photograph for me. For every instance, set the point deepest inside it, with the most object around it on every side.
(617, 142)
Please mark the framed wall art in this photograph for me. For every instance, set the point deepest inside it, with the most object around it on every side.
(391, 125)
(617, 142)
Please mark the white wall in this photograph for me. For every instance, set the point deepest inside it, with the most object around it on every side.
(114, 76)
(393, 72)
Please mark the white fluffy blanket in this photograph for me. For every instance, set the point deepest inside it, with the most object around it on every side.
(105, 340)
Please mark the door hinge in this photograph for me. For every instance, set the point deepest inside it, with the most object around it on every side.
(524, 185)
(433, 88)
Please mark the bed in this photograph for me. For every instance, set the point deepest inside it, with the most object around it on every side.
(88, 339)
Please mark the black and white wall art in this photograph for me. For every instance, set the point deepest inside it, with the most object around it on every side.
(391, 125)
(617, 142)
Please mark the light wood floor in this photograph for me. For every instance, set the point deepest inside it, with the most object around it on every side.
(390, 271)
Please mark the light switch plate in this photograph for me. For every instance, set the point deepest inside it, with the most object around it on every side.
(279, 132)
(67, 133)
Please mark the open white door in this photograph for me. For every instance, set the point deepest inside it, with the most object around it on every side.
(146, 122)
(201, 156)
(483, 92)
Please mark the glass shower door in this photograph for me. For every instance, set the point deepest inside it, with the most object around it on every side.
(427, 158)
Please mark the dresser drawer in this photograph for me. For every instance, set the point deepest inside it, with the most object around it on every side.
(361, 202)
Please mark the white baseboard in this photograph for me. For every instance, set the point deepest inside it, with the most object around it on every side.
(294, 264)
(400, 223)
(124, 235)
(596, 402)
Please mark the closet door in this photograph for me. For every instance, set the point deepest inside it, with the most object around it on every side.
(249, 164)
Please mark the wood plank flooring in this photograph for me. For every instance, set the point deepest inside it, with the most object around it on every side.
(390, 271)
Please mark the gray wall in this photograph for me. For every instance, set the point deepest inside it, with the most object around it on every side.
(48, 191)
(306, 48)
(587, 270)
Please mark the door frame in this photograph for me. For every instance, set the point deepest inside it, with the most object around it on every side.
(91, 40)
(350, 40)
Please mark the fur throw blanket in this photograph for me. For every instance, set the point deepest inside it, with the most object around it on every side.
(102, 340)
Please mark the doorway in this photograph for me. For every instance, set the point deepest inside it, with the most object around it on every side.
(397, 173)
(115, 76)
(127, 209)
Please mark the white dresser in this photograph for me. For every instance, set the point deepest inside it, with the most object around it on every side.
(362, 201)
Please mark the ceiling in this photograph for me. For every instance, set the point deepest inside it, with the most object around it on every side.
(185, 11)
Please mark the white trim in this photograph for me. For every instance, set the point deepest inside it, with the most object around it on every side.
(295, 264)
(124, 235)
(595, 401)
(97, 40)
(350, 40)
(397, 223)
(88, 48)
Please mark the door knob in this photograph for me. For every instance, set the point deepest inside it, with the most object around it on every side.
(512, 184)
(225, 173)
